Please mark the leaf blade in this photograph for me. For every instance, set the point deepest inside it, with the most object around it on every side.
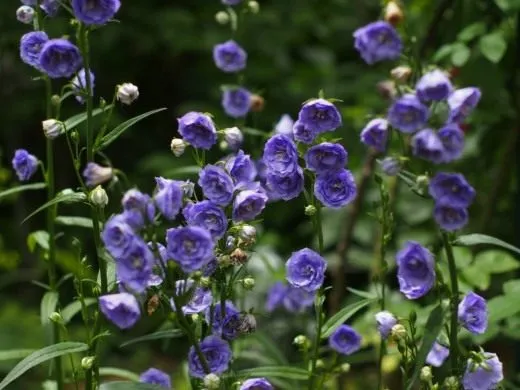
(478, 239)
(78, 119)
(25, 187)
(341, 316)
(122, 385)
(286, 372)
(162, 334)
(67, 196)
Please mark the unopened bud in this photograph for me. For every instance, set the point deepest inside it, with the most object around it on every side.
(212, 382)
(393, 13)
(248, 283)
(398, 332)
(426, 374)
(56, 317)
(195, 317)
(451, 383)
(205, 281)
(301, 341)
(178, 146)
(238, 256)
(99, 197)
(52, 128)
(387, 89)
(254, 7)
(345, 367)
(74, 136)
(310, 210)
(127, 93)
(230, 242)
(55, 100)
(422, 183)
(96, 174)
(25, 14)
(87, 362)
(222, 17)
(248, 234)
(257, 103)
(320, 363)
(234, 137)
(401, 73)
(224, 260)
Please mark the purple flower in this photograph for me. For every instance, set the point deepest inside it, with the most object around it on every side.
(207, 215)
(428, 146)
(248, 204)
(95, 11)
(450, 218)
(297, 300)
(437, 355)
(385, 322)
(96, 174)
(285, 187)
(121, 309)
(29, 2)
(416, 270)
(241, 168)
(31, 45)
(390, 166)
(319, 115)
(156, 377)
(451, 189)
(50, 7)
(139, 208)
(275, 296)
(229, 57)
(217, 354)
(24, 164)
(231, 2)
(375, 134)
(60, 58)
(335, 189)
(191, 247)
(198, 129)
(224, 322)
(280, 155)
(462, 102)
(473, 314)
(199, 301)
(236, 102)
(306, 270)
(378, 41)
(216, 184)
(452, 138)
(325, 157)
(484, 375)
(79, 85)
(135, 268)
(408, 114)
(285, 126)
(301, 133)
(168, 197)
(433, 86)
(256, 384)
(345, 340)
(118, 236)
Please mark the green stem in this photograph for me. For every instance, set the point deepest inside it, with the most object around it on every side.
(454, 303)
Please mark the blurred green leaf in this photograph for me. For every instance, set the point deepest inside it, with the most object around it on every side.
(65, 196)
(443, 52)
(493, 46)
(163, 334)
(74, 221)
(460, 54)
(25, 187)
(496, 262)
(362, 294)
(479, 239)
(275, 372)
(343, 315)
(120, 385)
(512, 286)
(15, 354)
(40, 238)
(503, 306)
(472, 31)
(119, 372)
(73, 308)
(508, 5)
(48, 306)
(78, 119)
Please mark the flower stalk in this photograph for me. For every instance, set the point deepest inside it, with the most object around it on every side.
(454, 303)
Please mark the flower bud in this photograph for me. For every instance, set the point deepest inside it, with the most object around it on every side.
(25, 14)
(248, 283)
(222, 17)
(257, 103)
(426, 374)
(398, 332)
(52, 128)
(98, 196)
(87, 362)
(320, 363)
(393, 13)
(212, 382)
(422, 182)
(310, 210)
(178, 146)
(74, 136)
(238, 257)
(195, 317)
(451, 383)
(401, 73)
(248, 234)
(205, 281)
(301, 341)
(127, 93)
(224, 260)
(230, 242)
(233, 137)
(345, 367)
(56, 317)
(254, 7)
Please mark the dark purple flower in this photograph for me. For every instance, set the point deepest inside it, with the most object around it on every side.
(390, 166)
(50, 7)
(297, 300)
(95, 11)
(210, 268)
(285, 126)
(224, 323)
(191, 247)
(450, 218)
(345, 340)
(256, 384)
(207, 215)
(199, 301)
(275, 296)
(216, 184)
(139, 208)
(96, 174)
(161, 258)
(229, 57)
(385, 322)
(462, 102)
(118, 236)
(31, 45)
(437, 355)
(236, 102)
(325, 157)
(483, 375)
(168, 198)
(433, 86)
(24, 164)
(451, 189)
(285, 187)
(241, 167)
(375, 134)
(301, 133)
(121, 309)
(217, 354)
(473, 313)
(452, 138)
(198, 130)
(280, 155)
(335, 189)
(79, 85)
(29, 2)
(415, 270)
(305, 269)
(319, 115)
(248, 204)
(156, 377)
(408, 114)
(378, 41)
(428, 146)
(135, 268)
(231, 2)
(60, 58)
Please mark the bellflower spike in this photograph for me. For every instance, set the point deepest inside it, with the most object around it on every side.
(198, 129)
(60, 58)
(335, 189)
(156, 377)
(24, 164)
(485, 375)
(408, 114)
(378, 41)
(306, 270)
(451, 189)
(121, 309)
(217, 353)
(229, 57)
(256, 384)
(248, 205)
(31, 45)
(168, 198)
(462, 102)
(95, 11)
(284, 125)
(375, 134)
(207, 215)
(473, 314)
(216, 184)
(191, 247)
(385, 322)
(345, 340)
(437, 355)
(434, 86)
(415, 270)
(319, 115)
(236, 102)
(79, 85)
(450, 218)
(452, 139)
(427, 145)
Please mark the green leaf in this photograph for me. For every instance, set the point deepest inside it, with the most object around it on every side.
(48, 306)
(182, 171)
(25, 187)
(73, 308)
(496, 262)
(443, 52)
(460, 54)
(270, 347)
(119, 373)
(162, 334)
(78, 119)
(431, 331)
(118, 130)
(512, 286)
(65, 196)
(476, 278)
(74, 221)
(40, 356)
(38, 238)
(15, 354)
(343, 315)
(508, 5)
(275, 372)
(472, 31)
(255, 132)
(493, 46)
(362, 294)
(120, 385)
(503, 306)
(479, 239)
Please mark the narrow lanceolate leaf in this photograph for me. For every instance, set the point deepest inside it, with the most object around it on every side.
(25, 187)
(163, 334)
(77, 120)
(362, 294)
(479, 239)
(431, 331)
(65, 196)
(74, 221)
(343, 315)
(274, 372)
(119, 373)
(15, 354)
(48, 306)
(120, 385)
(117, 131)
(69, 311)
(40, 356)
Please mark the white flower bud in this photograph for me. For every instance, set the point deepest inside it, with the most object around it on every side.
(87, 362)
(398, 332)
(426, 374)
(56, 317)
(52, 128)
(127, 93)
(178, 146)
(233, 137)
(254, 7)
(212, 382)
(310, 210)
(25, 14)
(345, 367)
(222, 17)
(248, 283)
(301, 340)
(401, 73)
(99, 197)
(248, 233)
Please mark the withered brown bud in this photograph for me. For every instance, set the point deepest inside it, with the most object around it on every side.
(387, 89)
(257, 103)
(153, 304)
(393, 13)
(238, 256)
